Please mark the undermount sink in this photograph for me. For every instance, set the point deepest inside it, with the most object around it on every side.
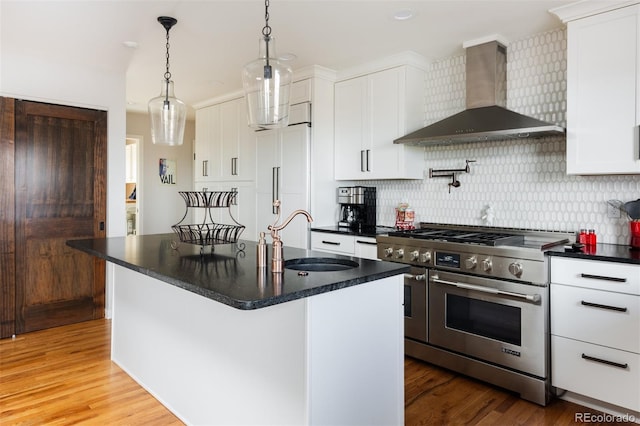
(320, 264)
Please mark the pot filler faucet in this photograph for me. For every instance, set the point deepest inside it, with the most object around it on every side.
(277, 262)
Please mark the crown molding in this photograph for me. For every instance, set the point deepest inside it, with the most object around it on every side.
(584, 8)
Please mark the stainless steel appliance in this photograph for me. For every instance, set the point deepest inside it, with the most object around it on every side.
(357, 207)
(477, 301)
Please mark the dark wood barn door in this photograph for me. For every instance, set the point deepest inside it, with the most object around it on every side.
(60, 194)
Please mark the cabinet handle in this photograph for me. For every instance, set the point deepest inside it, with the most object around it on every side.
(275, 187)
(234, 166)
(366, 242)
(362, 161)
(602, 277)
(368, 155)
(598, 305)
(604, 361)
(234, 197)
(205, 167)
(333, 243)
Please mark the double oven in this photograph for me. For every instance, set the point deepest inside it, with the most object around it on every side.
(476, 301)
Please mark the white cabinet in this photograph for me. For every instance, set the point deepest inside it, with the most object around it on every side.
(283, 174)
(370, 112)
(603, 111)
(206, 120)
(366, 248)
(595, 330)
(224, 143)
(349, 245)
(283, 162)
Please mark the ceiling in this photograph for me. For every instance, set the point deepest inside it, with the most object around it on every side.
(213, 39)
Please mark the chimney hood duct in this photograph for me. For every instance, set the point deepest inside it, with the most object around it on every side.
(486, 118)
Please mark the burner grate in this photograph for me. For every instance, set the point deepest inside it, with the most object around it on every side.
(462, 236)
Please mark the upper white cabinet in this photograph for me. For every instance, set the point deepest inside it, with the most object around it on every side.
(224, 148)
(370, 112)
(603, 114)
(206, 119)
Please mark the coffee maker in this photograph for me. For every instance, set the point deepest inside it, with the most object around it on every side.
(357, 207)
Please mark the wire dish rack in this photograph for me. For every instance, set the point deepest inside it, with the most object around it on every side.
(208, 233)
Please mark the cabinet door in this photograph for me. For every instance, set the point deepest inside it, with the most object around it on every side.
(283, 173)
(245, 166)
(602, 93)
(229, 139)
(351, 129)
(386, 111)
(202, 167)
(294, 182)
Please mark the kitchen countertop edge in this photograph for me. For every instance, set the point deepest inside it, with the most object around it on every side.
(370, 272)
(603, 252)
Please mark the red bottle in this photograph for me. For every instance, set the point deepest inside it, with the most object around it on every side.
(582, 237)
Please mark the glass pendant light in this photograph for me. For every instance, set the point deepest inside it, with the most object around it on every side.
(168, 114)
(267, 83)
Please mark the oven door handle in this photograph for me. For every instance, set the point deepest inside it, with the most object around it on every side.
(533, 298)
(420, 277)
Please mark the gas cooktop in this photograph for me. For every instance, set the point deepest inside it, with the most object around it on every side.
(470, 236)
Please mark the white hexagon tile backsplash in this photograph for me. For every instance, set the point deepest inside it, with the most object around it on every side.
(523, 181)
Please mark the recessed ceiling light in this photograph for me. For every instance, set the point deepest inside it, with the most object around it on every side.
(130, 44)
(403, 14)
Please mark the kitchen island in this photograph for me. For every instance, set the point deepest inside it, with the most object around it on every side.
(218, 340)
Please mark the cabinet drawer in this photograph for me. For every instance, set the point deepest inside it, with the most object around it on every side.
(616, 384)
(334, 243)
(595, 316)
(366, 248)
(608, 276)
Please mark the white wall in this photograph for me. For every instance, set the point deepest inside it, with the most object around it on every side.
(162, 206)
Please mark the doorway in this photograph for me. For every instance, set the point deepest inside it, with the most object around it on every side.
(133, 178)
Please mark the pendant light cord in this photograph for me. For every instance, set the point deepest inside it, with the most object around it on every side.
(167, 74)
(266, 32)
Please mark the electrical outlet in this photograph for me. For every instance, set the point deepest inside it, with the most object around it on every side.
(613, 212)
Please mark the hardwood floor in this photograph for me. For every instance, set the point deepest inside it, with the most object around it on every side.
(64, 376)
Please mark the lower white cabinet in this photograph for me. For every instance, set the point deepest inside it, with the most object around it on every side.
(595, 330)
(349, 245)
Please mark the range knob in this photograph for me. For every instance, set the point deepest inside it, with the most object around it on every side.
(487, 265)
(414, 255)
(516, 269)
(388, 252)
(399, 253)
(425, 257)
(470, 263)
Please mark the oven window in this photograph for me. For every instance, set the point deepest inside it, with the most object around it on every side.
(487, 319)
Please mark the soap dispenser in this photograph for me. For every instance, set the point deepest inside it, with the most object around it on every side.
(262, 252)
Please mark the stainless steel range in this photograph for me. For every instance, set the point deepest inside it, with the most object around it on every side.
(477, 301)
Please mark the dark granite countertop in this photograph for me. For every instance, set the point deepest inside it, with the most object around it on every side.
(228, 275)
(603, 252)
(367, 232)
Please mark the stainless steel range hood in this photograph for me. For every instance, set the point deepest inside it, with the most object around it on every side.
(486, 117)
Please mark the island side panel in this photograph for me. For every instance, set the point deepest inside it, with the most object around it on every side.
(207, 362)
(356, 355)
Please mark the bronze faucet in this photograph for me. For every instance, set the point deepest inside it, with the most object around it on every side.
(277, 262)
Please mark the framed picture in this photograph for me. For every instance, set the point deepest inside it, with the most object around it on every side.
(167, 171)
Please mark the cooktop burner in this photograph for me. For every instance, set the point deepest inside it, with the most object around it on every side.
(461, 236)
